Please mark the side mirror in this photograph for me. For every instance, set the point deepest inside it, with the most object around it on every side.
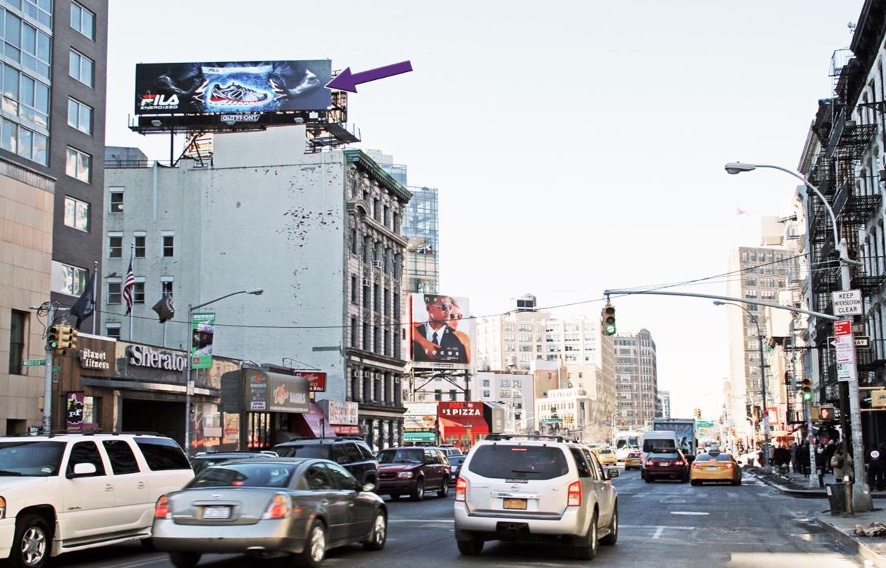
(82, 470)
(612, 473)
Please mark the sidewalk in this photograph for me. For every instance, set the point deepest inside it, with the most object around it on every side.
(841, 526)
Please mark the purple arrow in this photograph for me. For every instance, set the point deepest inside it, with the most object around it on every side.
(347, 81)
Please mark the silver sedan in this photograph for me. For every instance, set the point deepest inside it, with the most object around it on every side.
(268, 508)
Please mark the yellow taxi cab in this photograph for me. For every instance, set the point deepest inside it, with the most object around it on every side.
(606, 456)
(714, 466)
(634, 460)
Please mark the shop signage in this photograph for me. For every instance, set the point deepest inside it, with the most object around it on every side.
(90, 359)
(143, 356)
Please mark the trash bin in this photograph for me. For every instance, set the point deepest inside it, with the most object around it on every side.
(836, 497)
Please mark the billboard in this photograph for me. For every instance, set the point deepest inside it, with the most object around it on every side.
(442, 331)
(232, 87)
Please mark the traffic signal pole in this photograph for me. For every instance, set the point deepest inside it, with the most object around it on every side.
(47, 375)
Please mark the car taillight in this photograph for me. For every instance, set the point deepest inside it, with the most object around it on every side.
(279, 508)
(696, 465)
(161, 509)
(461, 489)
(728, 465)
(679, 462)
(573, 497)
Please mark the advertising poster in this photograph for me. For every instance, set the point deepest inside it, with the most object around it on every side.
(232, 87)
(442, 331)
(202, 334)
(74, 407)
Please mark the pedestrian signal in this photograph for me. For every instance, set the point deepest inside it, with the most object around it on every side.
(826, 413)
(607, 320)
(806, 389)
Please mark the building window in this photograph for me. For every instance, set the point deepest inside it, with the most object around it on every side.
(115, 291)
(140, 240)
(82, 20)
(80, 116)
(138, 291)
(166, 287)
(34, 99)
(79, 165)
(115, 245)
(73, 280)
(76, 214)
(168, 245)
(81, 68)
(24, 142)
(112, 330)
(116, 200)
(17, 341)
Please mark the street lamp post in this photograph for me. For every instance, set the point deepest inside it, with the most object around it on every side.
(861, 494)
(189, 386)
(762, 380)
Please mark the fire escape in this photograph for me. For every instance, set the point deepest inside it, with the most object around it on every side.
(854, 201)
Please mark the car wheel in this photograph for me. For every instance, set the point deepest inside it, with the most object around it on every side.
(379, 533)
(649, 478)
(587, 550)
(31, 545)
(444, 489)
(184, 559)
(418, 492)
(736, 481)
(612, 537)
(395, 496)
(470, 547)
(315, 547)
(694, 482)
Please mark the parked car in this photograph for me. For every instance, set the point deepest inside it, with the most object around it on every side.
(351, 452)
(528, 488)
(714, 465)
(665, 463)
(634, 460)
(412, 470)
(449, 451)
(205, 459)
(67, 492)
(280, 506)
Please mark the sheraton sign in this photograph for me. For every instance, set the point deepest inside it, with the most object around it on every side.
(142, 356)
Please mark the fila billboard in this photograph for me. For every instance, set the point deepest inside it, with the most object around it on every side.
(232, 87)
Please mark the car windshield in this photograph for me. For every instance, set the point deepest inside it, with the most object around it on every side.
(244, 475)
(519, 462)
(400, 456)
(32, 458)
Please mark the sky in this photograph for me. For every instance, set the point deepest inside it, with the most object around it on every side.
(576, 147)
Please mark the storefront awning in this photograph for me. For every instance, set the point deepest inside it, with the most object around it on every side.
(318, 422)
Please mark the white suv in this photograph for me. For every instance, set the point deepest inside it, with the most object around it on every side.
(66, 492)
(521, 488)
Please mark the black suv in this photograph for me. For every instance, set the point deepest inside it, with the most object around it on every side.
(352, 453)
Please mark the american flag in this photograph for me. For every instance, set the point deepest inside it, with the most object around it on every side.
(128, 286)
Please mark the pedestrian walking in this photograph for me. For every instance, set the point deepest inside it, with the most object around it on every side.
(842, 464)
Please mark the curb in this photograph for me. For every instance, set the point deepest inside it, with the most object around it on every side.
(861, 549)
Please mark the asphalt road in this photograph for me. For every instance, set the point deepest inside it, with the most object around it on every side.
(664, 524)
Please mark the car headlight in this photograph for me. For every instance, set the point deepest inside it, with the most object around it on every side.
(405, 475)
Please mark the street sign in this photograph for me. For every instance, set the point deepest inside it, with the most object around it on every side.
(847, 302)
(34, 362)
(861, 342)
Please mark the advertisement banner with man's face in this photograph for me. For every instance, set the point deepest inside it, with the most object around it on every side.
(202, 333)
(442, 331)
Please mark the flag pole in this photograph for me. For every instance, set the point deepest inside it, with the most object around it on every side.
(131, 256)
(94, 290)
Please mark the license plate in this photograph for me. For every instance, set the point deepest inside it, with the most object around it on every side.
(514, 504)
(216, 512)
(713, 468)
(665, 464)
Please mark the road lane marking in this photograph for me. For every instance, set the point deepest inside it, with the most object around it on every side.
(690, 513)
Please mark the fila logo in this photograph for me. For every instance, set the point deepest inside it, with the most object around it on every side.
(153, 101)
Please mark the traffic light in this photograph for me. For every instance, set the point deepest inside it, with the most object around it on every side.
(697, 413)
(826, 413)
(64, 338)
(52, 338)
(607, 320)
(806, 389)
